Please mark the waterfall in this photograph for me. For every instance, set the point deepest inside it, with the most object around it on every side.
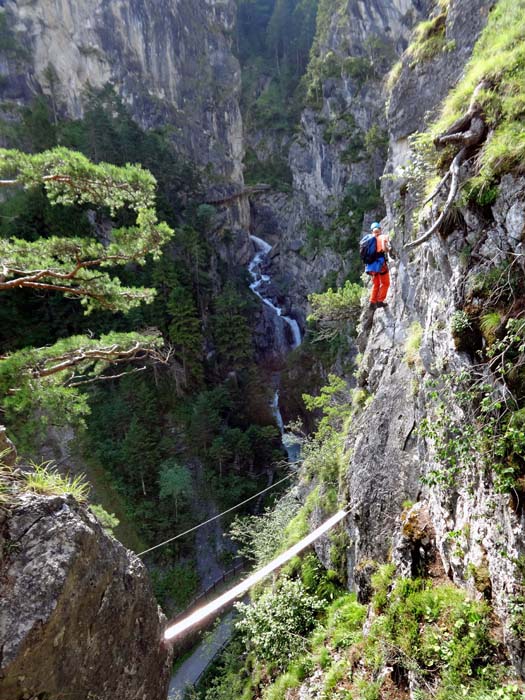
(255, 268)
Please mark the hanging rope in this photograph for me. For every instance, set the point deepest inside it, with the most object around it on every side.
(215, 517)
(240, 589)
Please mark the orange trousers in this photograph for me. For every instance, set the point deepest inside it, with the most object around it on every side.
(380, 285)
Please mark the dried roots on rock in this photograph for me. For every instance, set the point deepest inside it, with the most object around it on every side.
(467, 132)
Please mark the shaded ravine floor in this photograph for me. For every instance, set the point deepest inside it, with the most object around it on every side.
(191, 670)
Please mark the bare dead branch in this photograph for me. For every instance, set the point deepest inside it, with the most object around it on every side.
(468, 132)
(104, 378)
(454, 186)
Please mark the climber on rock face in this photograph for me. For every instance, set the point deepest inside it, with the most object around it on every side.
(374, 249)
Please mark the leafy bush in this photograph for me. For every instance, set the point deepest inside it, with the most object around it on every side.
(109, 521)
(433, 629)
(459, 322)
(336, 309)
(275, 626)
(261, 537)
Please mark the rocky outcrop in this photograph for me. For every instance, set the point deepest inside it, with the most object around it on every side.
(171, 62)
(77, 613)
(409, 347)
(340, 149)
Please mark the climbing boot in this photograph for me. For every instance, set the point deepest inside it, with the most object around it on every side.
(381, 304)
(373, 305)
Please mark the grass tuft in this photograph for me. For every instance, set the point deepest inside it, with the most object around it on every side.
(499, 56)
(48, 481)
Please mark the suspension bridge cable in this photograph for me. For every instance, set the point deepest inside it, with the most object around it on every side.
(177, 628)
(215, 517)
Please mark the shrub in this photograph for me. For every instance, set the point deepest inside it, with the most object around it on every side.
(109, 521)
(459, 322)
(429, 40)
(275, 625)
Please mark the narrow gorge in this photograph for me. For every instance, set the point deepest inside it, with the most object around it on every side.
(186, 326)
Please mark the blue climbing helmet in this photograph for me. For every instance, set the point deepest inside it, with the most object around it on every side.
(374, 226)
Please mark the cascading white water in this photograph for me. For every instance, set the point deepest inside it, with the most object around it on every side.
(255, 270)
(290, 442)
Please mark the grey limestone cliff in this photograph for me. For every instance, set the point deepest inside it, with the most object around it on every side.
(77, 613)
(170, 61)
(478, 530)
(339, 152)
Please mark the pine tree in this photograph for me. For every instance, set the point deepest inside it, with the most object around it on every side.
(79, 267)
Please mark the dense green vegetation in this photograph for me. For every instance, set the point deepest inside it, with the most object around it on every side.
(274, 40)
(427, 631)
(204, 411)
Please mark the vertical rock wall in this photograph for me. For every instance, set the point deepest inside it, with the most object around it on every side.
(342, 138)
(478, 531)
(171, 62)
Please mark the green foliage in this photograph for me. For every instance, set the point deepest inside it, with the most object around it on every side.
(286, 681)
(274, 40)
(274, 171)
(489, 324)
(382, 582)
(174, 482)
(231, 331)
(459, 322)
(480, 191)
(499, 284)
(357, 200)
(413, 343)
(42, 384)
(185, 332)
(433, 633)
(338, 310)
(275, 625)
(108, 520)
(359, 69)
(333, 402)
(262, 537)
(175, 586)
(498, 56)
(47, 480)
(434, 629)
(74, 265)
(325, 584)
(482, 430)
(429, 39)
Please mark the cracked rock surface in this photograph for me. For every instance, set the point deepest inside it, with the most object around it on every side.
(77, 613)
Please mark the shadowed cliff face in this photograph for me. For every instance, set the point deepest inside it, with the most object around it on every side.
(170, 61)
(77, 613)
